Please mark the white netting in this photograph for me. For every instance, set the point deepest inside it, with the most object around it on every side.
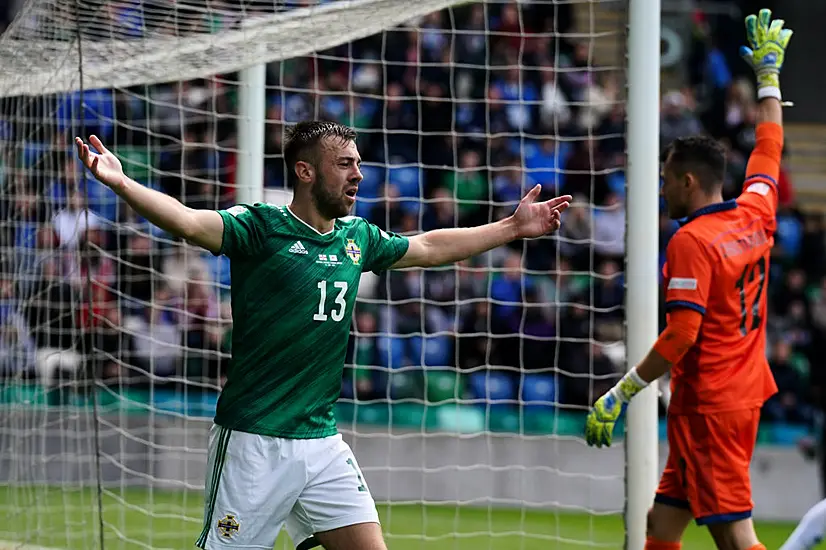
(465, 385)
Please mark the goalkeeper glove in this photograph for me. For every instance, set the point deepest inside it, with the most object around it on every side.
(768, 40)
(599, 426)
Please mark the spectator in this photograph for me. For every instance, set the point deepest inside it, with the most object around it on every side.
(469, 187)
(72, 222)
(676, 120)
(609, 228)
(785, 405)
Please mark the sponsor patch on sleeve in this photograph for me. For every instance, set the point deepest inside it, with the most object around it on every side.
(682, 283)
(759, 188)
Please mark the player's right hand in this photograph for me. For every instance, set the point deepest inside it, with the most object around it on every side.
(768, 40)
(599, 426)
(104, 165)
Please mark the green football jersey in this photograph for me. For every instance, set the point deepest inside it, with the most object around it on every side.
(293, 293)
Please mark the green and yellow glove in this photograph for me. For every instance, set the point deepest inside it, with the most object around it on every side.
(768, 40)
(599, 426)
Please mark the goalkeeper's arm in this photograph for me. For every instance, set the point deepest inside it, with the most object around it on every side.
(204, 228)
(674, 342)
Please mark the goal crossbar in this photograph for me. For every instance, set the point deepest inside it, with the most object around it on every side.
(39, 67)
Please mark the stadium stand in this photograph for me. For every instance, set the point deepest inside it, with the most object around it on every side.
(45, 221)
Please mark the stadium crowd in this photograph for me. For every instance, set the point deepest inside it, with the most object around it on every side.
(89, 287)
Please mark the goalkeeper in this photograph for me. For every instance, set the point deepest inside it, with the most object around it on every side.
(716, 269)
(275, 455)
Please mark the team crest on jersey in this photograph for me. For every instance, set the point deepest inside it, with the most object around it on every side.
(353, 251)
(228, 526)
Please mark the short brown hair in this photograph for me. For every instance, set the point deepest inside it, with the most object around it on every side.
(702, 156)
(302, 142)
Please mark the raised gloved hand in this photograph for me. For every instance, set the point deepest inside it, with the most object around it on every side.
(767, 40)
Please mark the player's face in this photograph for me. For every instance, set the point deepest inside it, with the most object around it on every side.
(337, 180)
(675, 192)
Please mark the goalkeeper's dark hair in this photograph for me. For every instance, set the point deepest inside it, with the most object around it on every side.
(702, 156)
(303, 140)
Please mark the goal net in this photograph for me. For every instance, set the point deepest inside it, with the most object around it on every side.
(465, 386)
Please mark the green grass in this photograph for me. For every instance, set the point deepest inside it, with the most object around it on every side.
(137, 518)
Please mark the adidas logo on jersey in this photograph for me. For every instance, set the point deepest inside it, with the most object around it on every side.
(298, 248)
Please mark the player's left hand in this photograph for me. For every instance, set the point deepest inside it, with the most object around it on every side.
(534, 219)
(599, 426)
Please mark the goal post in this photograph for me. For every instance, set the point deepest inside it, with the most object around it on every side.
(642, 258)
(465, 387)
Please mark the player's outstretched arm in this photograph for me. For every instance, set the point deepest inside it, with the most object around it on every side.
(765, 54)
(444, 246)
(200, 227)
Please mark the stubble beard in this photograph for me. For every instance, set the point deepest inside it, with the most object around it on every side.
(328, 205)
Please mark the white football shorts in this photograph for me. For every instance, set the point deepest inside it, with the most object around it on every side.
(255, 485)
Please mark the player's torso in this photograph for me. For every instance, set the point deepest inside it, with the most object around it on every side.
(727, 368)
(291, 321)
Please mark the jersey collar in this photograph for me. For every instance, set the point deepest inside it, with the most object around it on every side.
(308, 226)
(730, 204)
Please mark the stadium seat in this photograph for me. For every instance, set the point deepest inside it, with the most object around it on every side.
(442, 385)
(407, 415)
(788, 435)
(55, 195)
(538, 392)
(392, 352)
(405, 384)
(378, 414)
(348, 388)
(503, 421)
(363, 208)
(373, 179)
(137, 162)
(456, 418)
(407, 179)
(431, 351)
(219, 269)
(102, 200)
(98, 112)
(495, 387)
(32, 151)
(25, 235)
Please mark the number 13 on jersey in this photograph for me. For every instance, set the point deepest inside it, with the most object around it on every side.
(339, 305)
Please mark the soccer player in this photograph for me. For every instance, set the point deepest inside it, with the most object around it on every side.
(810, 531)
(717, 266)
(275, 456)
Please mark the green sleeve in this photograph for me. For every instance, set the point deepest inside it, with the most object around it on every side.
(245, 230)
(383, 248)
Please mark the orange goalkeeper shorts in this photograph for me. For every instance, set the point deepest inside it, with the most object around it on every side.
(707, 470)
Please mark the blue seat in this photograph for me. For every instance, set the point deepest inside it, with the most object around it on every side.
(32, 151)
(55, 195)
(219, 267)
(407, 179)
(431, 351)
(539, 391)
(348, 386)
(102, 200)
(494, 387)
(25, 235)
(392, 351)
(96, 107)
(373, 179)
